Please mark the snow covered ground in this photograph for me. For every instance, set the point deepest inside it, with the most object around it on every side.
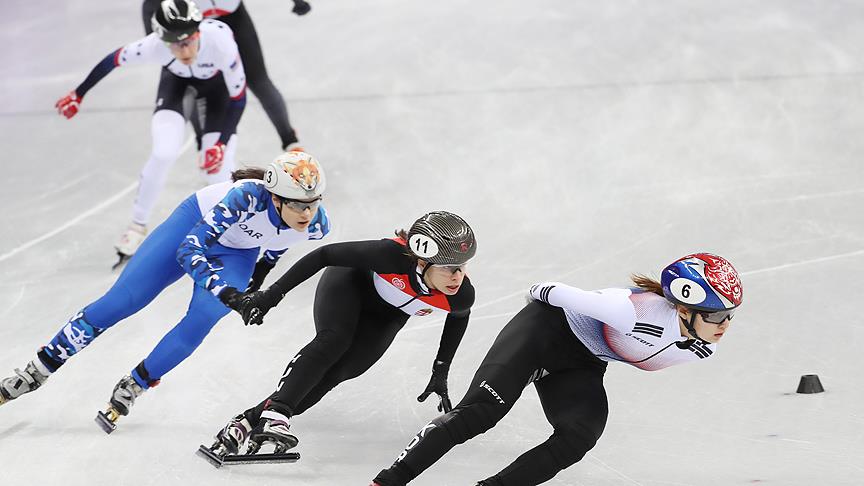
(582, 140)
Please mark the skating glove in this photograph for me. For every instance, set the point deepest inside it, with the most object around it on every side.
(213, 156)
(262, 268)
(438, 384)
(232, 298)
(301, 7)
(68, 105)
(255, 306)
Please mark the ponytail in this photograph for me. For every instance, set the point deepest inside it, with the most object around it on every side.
(647, 284)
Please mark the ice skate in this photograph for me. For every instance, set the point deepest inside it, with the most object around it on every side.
(123, 397)
(271, 429)
(23, 381)
(129, 242)
(229, 440)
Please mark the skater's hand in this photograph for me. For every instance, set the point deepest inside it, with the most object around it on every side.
(301, 7)
(213, 156)
(438, 385)
(232, 298)
(255, 306)
(68, 105)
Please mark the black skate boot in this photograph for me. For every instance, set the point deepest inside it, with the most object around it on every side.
(122, 398)
(271, 429)
(226, 449)
(34, 374)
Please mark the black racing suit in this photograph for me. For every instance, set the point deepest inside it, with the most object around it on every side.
(365, 296)
(536, 345)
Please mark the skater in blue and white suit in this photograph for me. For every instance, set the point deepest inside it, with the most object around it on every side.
(215, 237)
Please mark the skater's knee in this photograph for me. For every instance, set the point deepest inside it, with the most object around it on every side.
(570, 444)
(329, 340)
(467, 421)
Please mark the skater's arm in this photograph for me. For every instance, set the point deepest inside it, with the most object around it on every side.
(456, 322)
(369, 254)
(610, 306)
(101, 70)
(234, 208)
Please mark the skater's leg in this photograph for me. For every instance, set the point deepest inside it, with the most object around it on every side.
(167, 131)
(153, 268)
(204, 311)
(517, 352)
(574, 402)
(374, 335)
(256, 74)
(337, 308)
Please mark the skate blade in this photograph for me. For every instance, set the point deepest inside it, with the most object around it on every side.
(107, 420)
(122, 259)
(218, 461)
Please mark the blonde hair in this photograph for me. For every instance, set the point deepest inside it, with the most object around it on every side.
(647, 283)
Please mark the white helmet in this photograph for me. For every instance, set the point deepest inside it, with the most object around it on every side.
(295, 175)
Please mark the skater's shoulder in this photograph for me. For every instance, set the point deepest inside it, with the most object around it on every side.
(215, 29)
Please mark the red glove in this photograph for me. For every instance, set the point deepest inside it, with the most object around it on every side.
(213, 158)
(68, 105)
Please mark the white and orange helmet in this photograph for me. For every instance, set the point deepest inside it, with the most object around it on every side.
(295, 175)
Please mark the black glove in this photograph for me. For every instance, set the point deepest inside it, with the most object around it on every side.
(262, 268)
(301, 7)
(232, 298)
(438, 384)
(255, 306)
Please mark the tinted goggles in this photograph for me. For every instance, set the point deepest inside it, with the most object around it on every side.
(718, 317)
(300, 206)
(453, 268)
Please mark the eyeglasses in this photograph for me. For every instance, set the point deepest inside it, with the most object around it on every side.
(453, 268)
(718, 317)
(300, 206)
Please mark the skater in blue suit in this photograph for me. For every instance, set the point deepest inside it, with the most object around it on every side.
(214, 236)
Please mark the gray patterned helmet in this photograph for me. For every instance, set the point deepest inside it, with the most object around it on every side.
(442, 238)
(176, 20)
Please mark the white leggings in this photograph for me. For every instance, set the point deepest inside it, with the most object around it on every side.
(168, 129)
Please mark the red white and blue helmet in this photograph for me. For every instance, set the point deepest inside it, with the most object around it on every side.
(703, 282)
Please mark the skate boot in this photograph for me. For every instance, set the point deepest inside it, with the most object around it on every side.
(232, 437)
(271, 429)
(129, 242)
(122, 398)
(31, 378)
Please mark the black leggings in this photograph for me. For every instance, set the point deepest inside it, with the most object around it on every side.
(354, 328)
(536, 341)
(211, 98)
(253, 63)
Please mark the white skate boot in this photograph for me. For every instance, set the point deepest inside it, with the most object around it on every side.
(273, 429)
(31, 378)
(129, 242)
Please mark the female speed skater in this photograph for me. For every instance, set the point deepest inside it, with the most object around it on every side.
(234, 14)
(562, 342)
(366, 294)
(214, 236)
(193, 54)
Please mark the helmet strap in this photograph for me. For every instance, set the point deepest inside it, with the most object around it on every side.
(689, 324)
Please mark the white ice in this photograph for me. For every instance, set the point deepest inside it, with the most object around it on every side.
(583, 140)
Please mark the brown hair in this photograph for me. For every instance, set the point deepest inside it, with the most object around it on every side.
(247, 173)
(647, 283)
(404, 235)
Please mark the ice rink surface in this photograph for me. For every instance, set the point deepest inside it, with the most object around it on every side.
(582, 140)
